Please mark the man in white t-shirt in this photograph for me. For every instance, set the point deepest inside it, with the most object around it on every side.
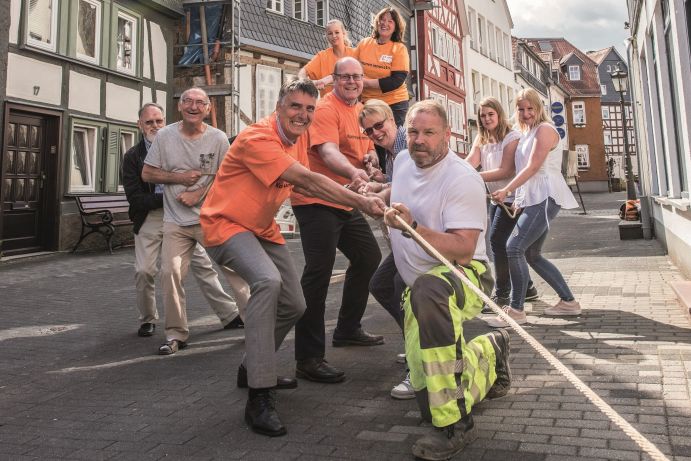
(443, 198)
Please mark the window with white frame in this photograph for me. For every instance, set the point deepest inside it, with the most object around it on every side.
(275, 5)
(583, 156)
(603, 89)
(472, 23)
(126, 41)
(41, 25)
(268, 84)
(482, 34)
(322, 12)
(605, 112)
(507, 51)
(578, 109)
(455, 53)
(574, 73)
(491, 41)
(456, 119)
(89, 30)
(127, 141)
(608, 138)
(500, 47)
(83, 158)
(300, 10)
(438, 97)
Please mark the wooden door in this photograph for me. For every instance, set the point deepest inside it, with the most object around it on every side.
(23, 182)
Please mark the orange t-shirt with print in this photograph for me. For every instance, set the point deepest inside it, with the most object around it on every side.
(337, 122)
(322, 64)
(248, 191)
(379, 61)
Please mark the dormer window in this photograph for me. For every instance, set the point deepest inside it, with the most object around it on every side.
(574, 73)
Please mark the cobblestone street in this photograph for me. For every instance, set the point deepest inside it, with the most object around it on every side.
(77, 383)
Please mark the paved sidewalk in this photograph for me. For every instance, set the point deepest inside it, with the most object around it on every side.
(77, 383)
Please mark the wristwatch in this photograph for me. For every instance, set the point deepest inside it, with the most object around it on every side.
(406, 234)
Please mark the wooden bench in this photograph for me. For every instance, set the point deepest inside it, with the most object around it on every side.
(98, 215)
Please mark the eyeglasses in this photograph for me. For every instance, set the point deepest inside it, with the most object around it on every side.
(157, 122)
(194, 102)
(346, 77)
(377, 126)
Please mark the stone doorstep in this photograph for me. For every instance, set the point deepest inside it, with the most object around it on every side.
(682, 288)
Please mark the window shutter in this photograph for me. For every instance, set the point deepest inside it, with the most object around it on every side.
(112, 164)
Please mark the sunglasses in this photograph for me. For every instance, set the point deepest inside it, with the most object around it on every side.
(377, 126)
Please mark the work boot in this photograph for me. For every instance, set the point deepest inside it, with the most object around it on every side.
(445, 442)
(498, 300)
(501, 341)
(261, 415)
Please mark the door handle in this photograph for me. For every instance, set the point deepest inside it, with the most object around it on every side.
(42, 180)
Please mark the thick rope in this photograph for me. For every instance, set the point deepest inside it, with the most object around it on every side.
(603, 406)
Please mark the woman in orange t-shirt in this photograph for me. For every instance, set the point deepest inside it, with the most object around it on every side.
(386, 63)
(320, 68)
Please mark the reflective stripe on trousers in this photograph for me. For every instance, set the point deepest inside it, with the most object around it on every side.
(453, 374)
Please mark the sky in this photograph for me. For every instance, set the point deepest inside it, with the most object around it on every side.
(587, 24)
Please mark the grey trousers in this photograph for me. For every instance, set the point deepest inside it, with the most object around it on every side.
(276, 301)
(147, 249)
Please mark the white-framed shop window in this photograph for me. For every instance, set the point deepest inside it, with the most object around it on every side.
(578, 109)
(89, 31)
(84, 145)
(266, 93)
(42, 23)
(583, 155)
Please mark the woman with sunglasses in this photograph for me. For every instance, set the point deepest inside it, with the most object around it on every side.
(493, 150)
(540, 191)
(386, 62)
(321, 66)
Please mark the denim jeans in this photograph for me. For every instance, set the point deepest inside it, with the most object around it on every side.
(387, 287)
(500, 227)
(524, 248)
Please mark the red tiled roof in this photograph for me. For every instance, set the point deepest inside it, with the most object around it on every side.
(599, 55)
(589, 85)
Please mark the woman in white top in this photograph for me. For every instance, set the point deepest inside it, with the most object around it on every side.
(493, 150)
(540, 191)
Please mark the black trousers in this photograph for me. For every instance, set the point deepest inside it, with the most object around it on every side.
(323, 229)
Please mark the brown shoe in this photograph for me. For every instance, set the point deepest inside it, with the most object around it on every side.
(171, 347)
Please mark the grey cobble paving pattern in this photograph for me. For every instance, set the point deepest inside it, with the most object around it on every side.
(78, 384)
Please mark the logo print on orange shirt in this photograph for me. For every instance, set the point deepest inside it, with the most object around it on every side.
(386, 58)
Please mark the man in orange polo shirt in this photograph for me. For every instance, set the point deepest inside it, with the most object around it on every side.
(339, 150)
(257, 174)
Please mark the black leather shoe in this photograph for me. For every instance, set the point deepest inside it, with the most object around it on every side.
(146, 329)
(359, 338)
(261, 415)
(318, 370)
(282, 382)
(234, 324)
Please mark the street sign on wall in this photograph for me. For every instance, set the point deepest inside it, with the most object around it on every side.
(561, 132)
(558, 120)
(557, 107)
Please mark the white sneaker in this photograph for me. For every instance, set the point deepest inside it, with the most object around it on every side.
(400, 358)
(518, 316)
(403, 391)
(564, 308)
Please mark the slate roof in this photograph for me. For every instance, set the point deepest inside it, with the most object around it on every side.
(589, 84)
(263, 29)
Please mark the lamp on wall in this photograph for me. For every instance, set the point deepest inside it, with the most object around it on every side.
(620, 79)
